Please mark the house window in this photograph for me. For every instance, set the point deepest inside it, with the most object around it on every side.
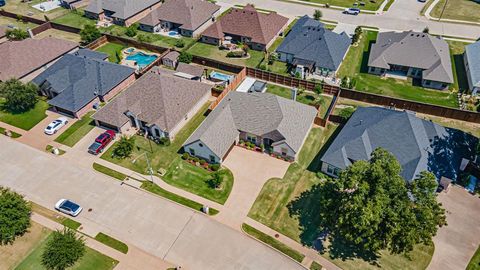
(284, 151)
(157, 132)
(427, 82)
(252, 138)
(192, 151)
(333, 170)
(212, 158)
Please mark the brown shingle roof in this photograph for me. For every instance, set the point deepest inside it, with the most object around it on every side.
(20, 58)
(248, 22)
(158, 97)
(193, 70)
(3, 31)
(190, 14)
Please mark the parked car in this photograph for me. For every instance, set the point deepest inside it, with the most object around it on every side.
(68, 207)
(2, 3)
(101, 142)
(56, 125)
(351, 11)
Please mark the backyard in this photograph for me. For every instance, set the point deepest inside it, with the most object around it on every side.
(19, 24)
(213, 52)
(59, 34)
(24, 120)
(355, 66)
(114, 51)
(26, 8)
(272, 208)
(465, 10)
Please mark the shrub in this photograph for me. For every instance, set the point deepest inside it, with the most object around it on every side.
(185, 156)
(318, 88)
(202, 162)
(317, 14)
(327, 5)
(124, 147)
(195, 159)
(214, 167)
(346, 113)
(14, 215)
(180, 43)
(235, 54)
(63, 250)
(16, 34)
(144, 38)
(132, 30)
(241, 142)
(215, 181)
(185, 57)
(262, 66)
(89, 33)
(165, 141)
(19, 97)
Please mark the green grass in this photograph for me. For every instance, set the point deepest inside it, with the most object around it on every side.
(315, 266)
(112, 242)
(24, 8)
(267, 239)
(55, 216)
(194, 179)
(474, 263)
(49, 149)
(457, 49)
(369, 5)
(20, 24)
(153, 188)
(91, 260)
(464, 10)
(388, 5)
(112, 173)
(74, 19)
(76, 131)
(113, 50)
(14, 134)
(70, 223)
(355, 65)
(24, 120)
(161, 156)
(212, 52)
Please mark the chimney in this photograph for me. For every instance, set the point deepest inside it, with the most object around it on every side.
(294, 94)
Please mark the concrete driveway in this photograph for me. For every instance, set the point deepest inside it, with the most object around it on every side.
(157, 226)
(250, 171)
(456, 243)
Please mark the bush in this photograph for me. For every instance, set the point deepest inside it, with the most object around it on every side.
(19, 97)
(144, 38)
(317, 14)
(215, 181)
(165, 141)
(132, 30)
(214, 167)
(124, 147)
(202, 162)
(185, 156)
(63, 250)
(185, 57)
(262, 66)
(89, 33)
(346, 113)
(241, 142)
(318, 88)
(16, 34)
(235, 54)
(180, 43)
(195, 159)
(14, 215)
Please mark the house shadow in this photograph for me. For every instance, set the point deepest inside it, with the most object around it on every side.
(460, 72)
(314, 166)
(365, 56)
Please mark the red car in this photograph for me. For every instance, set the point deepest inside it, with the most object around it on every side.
(101, 142)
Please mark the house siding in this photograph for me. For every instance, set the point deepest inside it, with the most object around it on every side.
(284, 147)
(189, 115)
(86, 108)
(117, 89)
(210, 40)
(202, 151)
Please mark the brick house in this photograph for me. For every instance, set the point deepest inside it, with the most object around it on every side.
(120, 12)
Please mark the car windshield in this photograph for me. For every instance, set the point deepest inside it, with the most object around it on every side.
(71, 206)
(95, 146)
(101, 137)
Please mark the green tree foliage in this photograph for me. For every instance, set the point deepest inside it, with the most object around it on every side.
(19, 97)
(63, 250)
(16, 34)
(216, 180)
(185, 57)
(318, 89)
(356, 36)
(132, 30)
(372, 208)
(89, 33)
(14, 215)
(180, 43)
(144, 38)
(124, 147)
(317, 14)
(345, 113)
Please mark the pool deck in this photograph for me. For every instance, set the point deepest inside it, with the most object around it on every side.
(130, 63)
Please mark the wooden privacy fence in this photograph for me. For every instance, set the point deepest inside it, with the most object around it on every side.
(22, 17)
(230, 87)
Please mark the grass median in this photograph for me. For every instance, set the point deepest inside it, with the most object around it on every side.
(112, 173)
(112, 242)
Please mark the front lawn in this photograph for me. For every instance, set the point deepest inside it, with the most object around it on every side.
(114, 50)
(464, 10)
(24, 120)
(212, 52)
(355, 66)
(76, 131)
(474, 263)
(195, 180)
(91, 260)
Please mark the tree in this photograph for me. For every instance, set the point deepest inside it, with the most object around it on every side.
(89, 33)
(124, 147)
(63, 250)
(216, 180)
(19, 97)
(426, 30)
(346, 113)
(317, 14)
(356, 36)
(132, 30)
(185, 57)
(180, 43)
(318, 89)
(14, 215)
(17, 34)
(371, 207)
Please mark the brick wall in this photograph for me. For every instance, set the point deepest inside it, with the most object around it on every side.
(119, 88)
(86, 108)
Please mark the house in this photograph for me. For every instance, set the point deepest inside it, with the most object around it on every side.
(193, 72)
(75, 84)
(187, 17)
(278, 124)
(74, 4)
(3, 33)
(256, 29)
(471, 58)
(418, 144)
(312, 49)
(423, 57)
(120, 12)
(171, 59)
(91, 54)
(159, 103)
(27, 58)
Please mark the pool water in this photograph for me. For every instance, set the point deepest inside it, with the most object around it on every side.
(129, 50)
(142, 59)
(173, 33)
(221, 76)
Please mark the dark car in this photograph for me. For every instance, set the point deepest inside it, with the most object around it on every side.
(101, 142)
(2, 3)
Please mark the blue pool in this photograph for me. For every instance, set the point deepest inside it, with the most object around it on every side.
(221, 76)
(173, 33)
(142, 59)
(130, 50)
(472, 184)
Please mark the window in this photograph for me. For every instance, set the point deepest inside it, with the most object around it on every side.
(333, 170)
(252, 138)
(284, 151)
(212, 158)
(192, 151)
(157, 132)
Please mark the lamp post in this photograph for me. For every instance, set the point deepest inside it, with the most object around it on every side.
(150, 170)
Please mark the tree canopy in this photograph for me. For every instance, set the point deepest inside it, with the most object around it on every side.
(371, 207)
(16, 34)
(89, 33)
(63, 250)
(19, 97)
(124, 147)
(14, 215)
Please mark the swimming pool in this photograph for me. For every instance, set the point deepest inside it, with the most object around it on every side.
(221, 76)
(130, 50)
(142, 59)
(173, 33)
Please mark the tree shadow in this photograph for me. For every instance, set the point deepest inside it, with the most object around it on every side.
(461, 72)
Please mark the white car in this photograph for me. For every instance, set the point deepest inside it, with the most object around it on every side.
(56, 125)
(352, 11)
(68, 207)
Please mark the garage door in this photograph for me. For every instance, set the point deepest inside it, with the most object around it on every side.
(107, 126)
(63, 111)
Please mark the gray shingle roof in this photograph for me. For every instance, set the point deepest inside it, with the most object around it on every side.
(190, 14)
(190, 69)
(123, 9)
(78, 80)
(418, 144)
(158, 97)
(309, 40)
(412, 49)
(256, 113)
(472, 52)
